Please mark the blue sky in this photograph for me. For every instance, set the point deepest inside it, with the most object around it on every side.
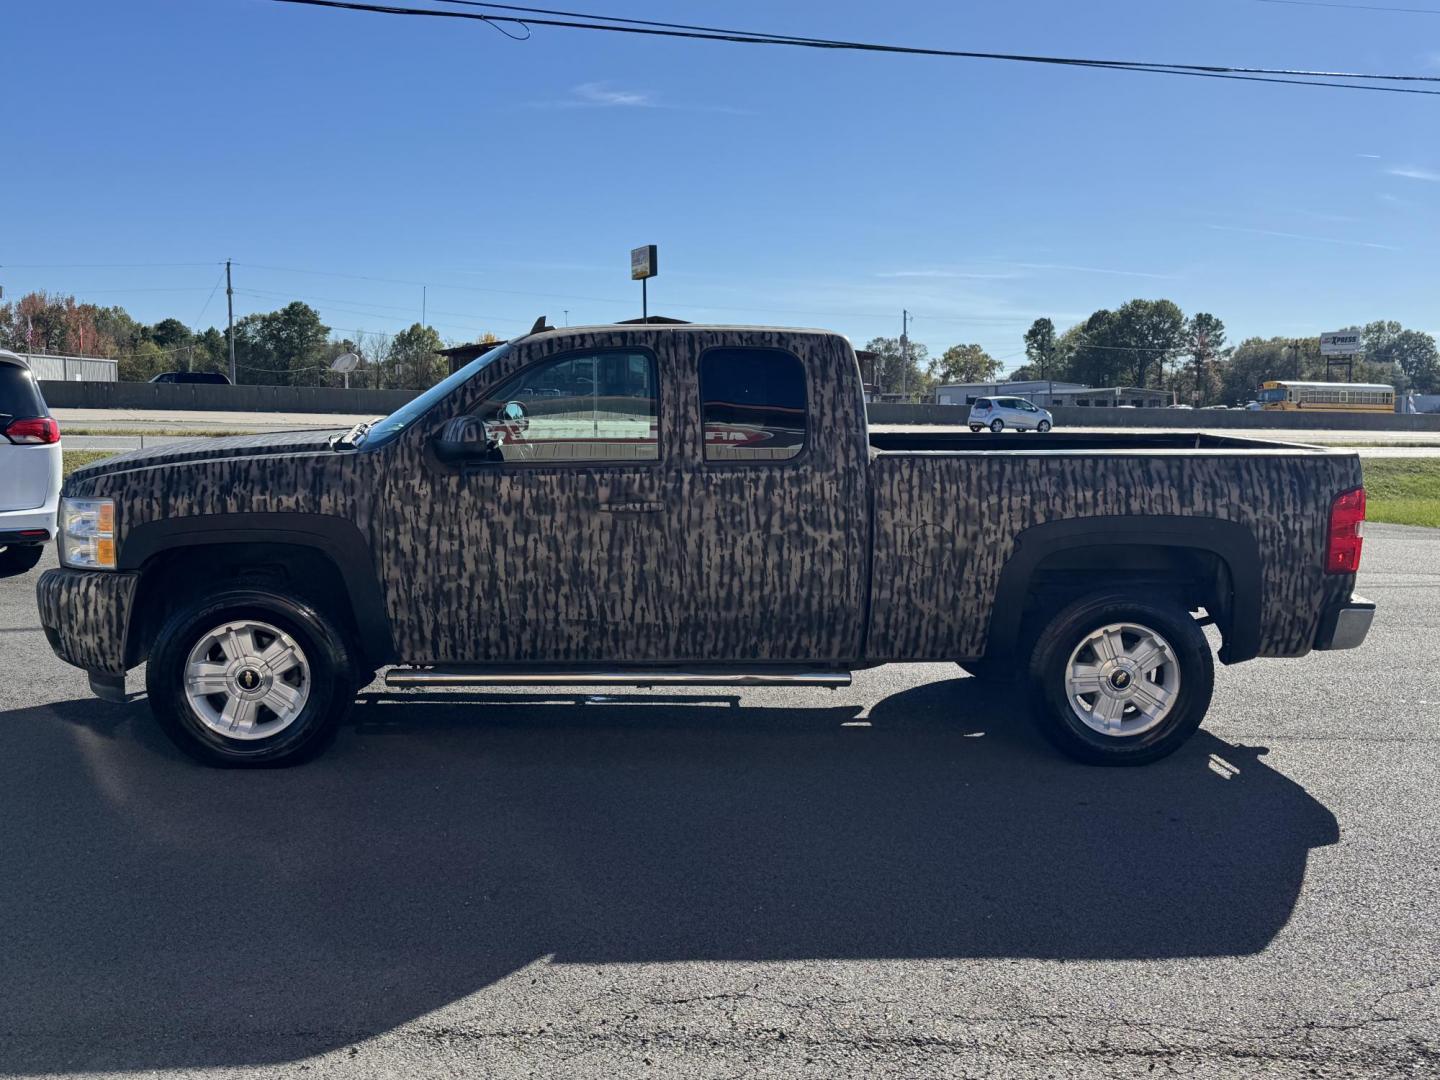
(783, 186)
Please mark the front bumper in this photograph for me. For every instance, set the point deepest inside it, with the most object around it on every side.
(1345, 625)
(86, 616)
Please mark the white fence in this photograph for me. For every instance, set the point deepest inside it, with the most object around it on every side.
(71, 368)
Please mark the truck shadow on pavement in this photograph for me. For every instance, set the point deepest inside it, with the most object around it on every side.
(157, 914)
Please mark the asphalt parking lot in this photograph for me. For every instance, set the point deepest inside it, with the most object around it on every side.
(892, 880)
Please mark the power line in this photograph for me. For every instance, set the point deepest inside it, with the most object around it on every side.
(998, 319)
(211, 297)
(1298, 77)
(366, 307)
(97, 266)
(1353, 7)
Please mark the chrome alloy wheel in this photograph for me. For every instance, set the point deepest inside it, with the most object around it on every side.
(1122, 680)
(247, 680)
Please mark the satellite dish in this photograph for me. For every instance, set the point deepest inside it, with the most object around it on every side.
(345, 363)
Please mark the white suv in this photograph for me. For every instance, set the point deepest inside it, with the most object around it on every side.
(29, 468)
(998, 413)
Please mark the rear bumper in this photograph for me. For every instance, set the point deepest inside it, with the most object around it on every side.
(32, 533)
(1345, 625)
(27, 526)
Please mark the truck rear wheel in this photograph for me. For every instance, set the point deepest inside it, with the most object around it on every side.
(250, 677)
(1121, 679)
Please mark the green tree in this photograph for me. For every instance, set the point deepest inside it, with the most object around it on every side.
(1129, 346)
(1204, 342)
(168, 333)
(143, 361)
(964, 364)
(1040, 348)
(1390, 349)
(897, 372)
(1153, 333)
(1091, 352)
(282, 348)
(1259, 360)
(413, 361)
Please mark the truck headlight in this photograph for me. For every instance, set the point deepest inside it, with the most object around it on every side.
(87, 533)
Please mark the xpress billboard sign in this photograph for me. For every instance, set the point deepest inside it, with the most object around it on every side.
(1340, 343)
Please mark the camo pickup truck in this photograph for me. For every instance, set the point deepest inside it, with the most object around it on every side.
(656, 505)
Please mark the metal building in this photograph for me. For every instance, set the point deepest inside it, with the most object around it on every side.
(48, 368)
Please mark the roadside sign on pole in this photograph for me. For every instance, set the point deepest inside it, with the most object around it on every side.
(1340, 343)
(644, 262)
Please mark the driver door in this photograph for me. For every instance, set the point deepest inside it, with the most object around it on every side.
(559, 522)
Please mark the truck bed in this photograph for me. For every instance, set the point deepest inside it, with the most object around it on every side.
(951, 509)
(1088, 442)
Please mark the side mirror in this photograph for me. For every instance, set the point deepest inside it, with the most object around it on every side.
(464, 439)
(511, 412)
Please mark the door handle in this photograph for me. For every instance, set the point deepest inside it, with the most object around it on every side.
(632, 506)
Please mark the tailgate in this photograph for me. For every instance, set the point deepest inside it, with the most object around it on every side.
(27, 475)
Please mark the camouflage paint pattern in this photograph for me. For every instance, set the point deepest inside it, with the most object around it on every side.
(680, 559)
(86, 615)
(945, 525)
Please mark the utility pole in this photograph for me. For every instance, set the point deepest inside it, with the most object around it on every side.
(424, 301)
(904, 351)
(230, 318)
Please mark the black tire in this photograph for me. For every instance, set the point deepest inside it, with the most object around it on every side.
(1060, 722)
(331, 678)
(17, 559)
(1043, 426)
(997, 426)
(975, 428)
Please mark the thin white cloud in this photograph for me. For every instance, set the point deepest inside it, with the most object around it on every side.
(1302, 236)
(963, 275)
(1070, 269)
(604, 95)
(1338, 219)
(1414, 172)
(1372, 157)
(599, 93)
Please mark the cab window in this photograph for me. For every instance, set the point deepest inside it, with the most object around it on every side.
(600, 406)
(752, 405)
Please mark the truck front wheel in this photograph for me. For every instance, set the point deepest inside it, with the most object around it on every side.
(1120, 679)
(249, 677)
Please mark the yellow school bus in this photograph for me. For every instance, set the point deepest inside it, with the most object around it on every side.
(1327, 397)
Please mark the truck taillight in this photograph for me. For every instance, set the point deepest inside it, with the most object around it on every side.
(1347, 532)
(40, 429)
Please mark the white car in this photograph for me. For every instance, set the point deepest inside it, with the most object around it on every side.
(29, 468)
(998, 413)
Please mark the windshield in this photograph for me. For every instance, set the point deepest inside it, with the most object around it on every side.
(1277, 394)
(382, 431)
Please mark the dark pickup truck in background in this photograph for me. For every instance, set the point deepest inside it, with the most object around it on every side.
(657, 505)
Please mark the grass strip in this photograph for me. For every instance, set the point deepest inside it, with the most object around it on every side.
(1403, 491)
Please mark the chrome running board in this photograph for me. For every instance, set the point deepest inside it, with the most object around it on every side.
(482, 676)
